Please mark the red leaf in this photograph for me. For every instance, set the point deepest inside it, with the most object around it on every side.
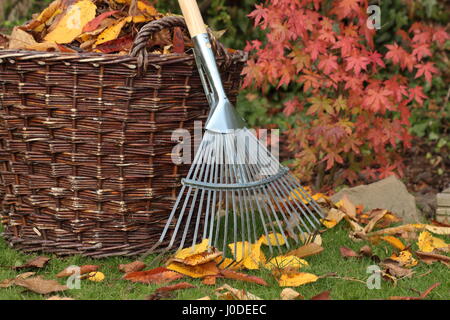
(95, 23)
(426, 70)
(116, 45)
(178, 41)
(230, 274)
(322, 296)
(158, 275)
(348, 253)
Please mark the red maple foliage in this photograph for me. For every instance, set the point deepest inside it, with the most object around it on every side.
(354, 102)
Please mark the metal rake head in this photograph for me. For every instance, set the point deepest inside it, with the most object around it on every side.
(235, 191)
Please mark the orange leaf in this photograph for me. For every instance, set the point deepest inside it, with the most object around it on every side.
(132, 267)
(199, 271)
(229, 274)
(158, 275)
(348, 253)
(67, 272)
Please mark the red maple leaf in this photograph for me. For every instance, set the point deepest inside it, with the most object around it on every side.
(346, 8)
(395, 53)
(259, 14)
(357, 63)
(426, 70)
(417, 94)
(440, 35)
(378, 100)
(328, 63)
(314, 48)
(421, 50)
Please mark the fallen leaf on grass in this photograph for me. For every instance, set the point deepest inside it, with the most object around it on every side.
(333, 217)
(96, 276)
(288, 261)
(306, 250)
(174, 287)
(273, 239)
(209, 280)
(199, 271)
(198, 258)
(348, 253)
(322, 296)
(205, 298)
(227, 292)
(59, 298)
(395, 270)
(428, 243)
(366, 251)
(190, 251)
(249, 254)
(158, 275)
(296, 279)
(377, 216)
(67, 272)
(429, 257)
(132, 267)
(422, 296)
(405, 258)
(411, 228)
(347, 206)
(290, 294)
(230, 274)
(6, 283)
(395, 242)
(39, 285)
(38, 262)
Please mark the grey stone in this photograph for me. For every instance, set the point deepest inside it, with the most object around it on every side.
(389, 193)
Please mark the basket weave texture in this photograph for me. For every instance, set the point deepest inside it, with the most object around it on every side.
(86, 144)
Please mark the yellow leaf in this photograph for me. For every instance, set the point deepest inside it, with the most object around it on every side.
(250, 254)
(395, 242)
(405, 258)
(20, 39)
(96, 276)
(302, 195)
(227, 263)
(113, 32)
(147, 9)
(427, 243)
(273, 239)
(71, 24)
(198, 258)
(296, 279)
(190, 251)
(46, 17)
(200, 271)
(282, 262)
(333, 217)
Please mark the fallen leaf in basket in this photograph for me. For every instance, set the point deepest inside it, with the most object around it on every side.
(348, 253)
(333, 217)
(296, 279)
(158, 275)
(405, 259)
(422, 296)
(132, 267)
(72, 23)
(230, 274)
(39, 285)
(96, 276)
(174, 287)
(59, 298)
(199, 271)
(322, 296)
(227, 292)
(250, 254)
(116, 45)
(20, 39)
(96, 22)
(112, 32)
(75, 269)
(288, 261)
(44, 17)
(6, 283)
(38, 262)
(395, 242)
(178, 41)
(306, 250)
(190, 251)
(273, 239)
(290, 294)
(198, 258)
(428, 243)
(147, 9)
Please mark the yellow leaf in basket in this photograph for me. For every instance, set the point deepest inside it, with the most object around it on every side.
(113, 32)
(147, 9)
(200, 271)
(45, 17)
(250, 254)
(190, 251)
(427, 243)
(273, 238)
(296, 279)
(395, 242)
(71, 24)
(405, 258)
(282, 262)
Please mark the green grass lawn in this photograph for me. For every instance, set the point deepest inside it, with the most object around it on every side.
(330, 260)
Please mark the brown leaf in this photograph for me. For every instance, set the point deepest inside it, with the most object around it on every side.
(422, 296)
(20, 39)
(230, 274)
(429, 257)
(348, 207)
(178, 41)
(157, 275)
(395, 270)
(306, 250)
(227, 292)
(132, 267)
(348, 253)
(6, 283)
(322, 296)
(38, 262)
(67, 272)
(290, 294)
(39, 285)
(174, 287)
(366, 251)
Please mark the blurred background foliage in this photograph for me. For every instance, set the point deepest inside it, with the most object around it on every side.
(432, 122)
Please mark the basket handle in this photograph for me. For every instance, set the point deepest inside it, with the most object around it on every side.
(140, 43)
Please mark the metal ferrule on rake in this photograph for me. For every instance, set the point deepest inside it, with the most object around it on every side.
(236, 189)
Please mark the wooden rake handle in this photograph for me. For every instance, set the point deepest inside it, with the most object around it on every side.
(193, 17)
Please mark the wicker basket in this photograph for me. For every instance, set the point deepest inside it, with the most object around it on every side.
(85, 148)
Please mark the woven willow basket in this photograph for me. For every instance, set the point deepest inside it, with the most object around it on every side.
(86, 144)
